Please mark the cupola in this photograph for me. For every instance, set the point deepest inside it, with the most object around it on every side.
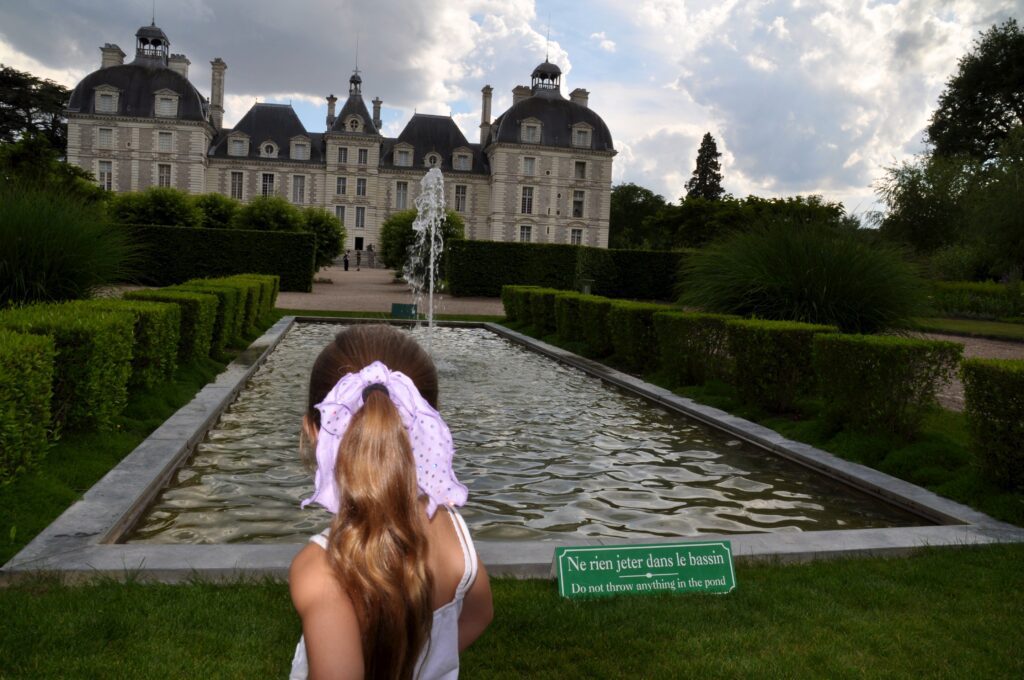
(151, 46)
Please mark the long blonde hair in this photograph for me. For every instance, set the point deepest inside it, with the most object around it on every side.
(377, 547)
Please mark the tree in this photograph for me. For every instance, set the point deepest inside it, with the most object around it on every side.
(706, 181)
(984, 100)
(32, 162)
(631, 205)
(156, 205)
(31, 105)
(397, 237)
(329, 232)
(268, 213)
(217, 210)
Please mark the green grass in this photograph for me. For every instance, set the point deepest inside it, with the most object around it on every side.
(995, 330)
(942, 613)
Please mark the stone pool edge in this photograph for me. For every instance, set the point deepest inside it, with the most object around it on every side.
(81, 542)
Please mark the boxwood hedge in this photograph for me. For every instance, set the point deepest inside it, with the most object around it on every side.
(693, 346)
(230, 318)
(597, 338)
(976, 299)
(631, 325)
(198, 312)
(155, 349)
(994, 407)
(542, 309)
(26, 388)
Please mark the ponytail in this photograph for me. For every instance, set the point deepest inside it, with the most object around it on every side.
(377, 546)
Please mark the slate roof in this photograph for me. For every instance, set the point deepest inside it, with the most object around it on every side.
(427, 133)
(275, 122)
(354, 104)
(557, 116)
(138, 83)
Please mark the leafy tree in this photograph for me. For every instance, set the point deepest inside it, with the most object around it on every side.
(30, 106)
(706, 181)
(33, 162)
(984, 100)
(397, 236)
(268, 213)
(995, 210)
(329, 232)
(156, 205)
(217, 210)
(631, 205)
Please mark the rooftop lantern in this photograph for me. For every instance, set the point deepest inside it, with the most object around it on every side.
(151, 45)
(547, 76)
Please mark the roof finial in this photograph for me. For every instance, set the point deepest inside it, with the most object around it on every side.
(357, 52)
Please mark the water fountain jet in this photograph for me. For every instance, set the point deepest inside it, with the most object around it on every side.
(420, 269)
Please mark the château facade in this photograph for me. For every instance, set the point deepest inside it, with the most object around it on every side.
(541, 171)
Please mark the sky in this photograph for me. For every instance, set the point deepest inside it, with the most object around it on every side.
(801, 96)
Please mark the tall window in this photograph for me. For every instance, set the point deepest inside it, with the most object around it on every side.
(236, 185)
(361, 186)
(239, 147)
(164, 141)
(167, 106)
(401, 195)
(339, 212)
(360, 217)
(163, 175)
(525, 233)
(268, 184)
(460, 198)
(106, 102)
(527, 205)
(298, 188)
(581, 170)
(576, 237)
(577, 203)
(341, 186)
(403, 157)
(364, 155)
(531, 133)
(106, 175)
(342, 154)
(529, 165)
(105, 138)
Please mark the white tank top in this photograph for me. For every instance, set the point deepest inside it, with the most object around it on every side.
(439, 660)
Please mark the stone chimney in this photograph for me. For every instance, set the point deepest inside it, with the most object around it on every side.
(519, 93)
(485, 113)
(112, 56)
(179, 63)
(217, 69)
(579, 96)
(377, 101)
(331, 102)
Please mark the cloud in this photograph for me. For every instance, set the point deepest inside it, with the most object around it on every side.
(603, 42)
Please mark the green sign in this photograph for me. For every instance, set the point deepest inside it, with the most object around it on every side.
(641, 569)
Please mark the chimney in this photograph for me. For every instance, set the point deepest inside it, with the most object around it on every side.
(377, 101)
(485, 113)
(112, 56)
(331, 101)
(217, 68)
(579, 96)
(179, 64)
(520, 92)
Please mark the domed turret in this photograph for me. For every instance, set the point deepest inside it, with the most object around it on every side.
(151, 45)
(546, 76)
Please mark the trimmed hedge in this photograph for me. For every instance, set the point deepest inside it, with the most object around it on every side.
(773, 360)
(253, 291)
(568, 322)
(597, 337)
(155, 348)
(542, 309)
(268, 291)
(230, 319)
(693, 346)
(631, 325)
(881, 383)
(483, 267)
(26, 388)
(515, 302)
(994, 407)
(977, 299)
(198, 312)
(93, 360)
(176, 254)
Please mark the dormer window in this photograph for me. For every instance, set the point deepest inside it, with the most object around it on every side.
(463, 161)
(354, 124)
(300, 151)
(432, 160)
(403, 158)
(268, 150)
(238, 147)
(106, 100)
(581, 136)
(166, 105)
(531, 133)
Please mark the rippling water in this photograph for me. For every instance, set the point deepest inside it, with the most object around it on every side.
(546, 451)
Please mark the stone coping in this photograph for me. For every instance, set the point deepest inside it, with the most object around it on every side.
(82, 542)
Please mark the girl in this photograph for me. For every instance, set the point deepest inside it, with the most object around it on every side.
(393, 587)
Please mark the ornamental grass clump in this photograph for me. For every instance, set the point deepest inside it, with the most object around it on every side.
(56, 247)
(881, 383)
(994, 406)
(806, 273)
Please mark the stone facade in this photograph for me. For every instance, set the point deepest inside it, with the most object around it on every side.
(541, 172)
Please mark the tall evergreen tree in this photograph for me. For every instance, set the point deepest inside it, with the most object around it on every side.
(706, 181)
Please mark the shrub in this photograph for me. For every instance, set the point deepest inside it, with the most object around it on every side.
(597, 340)
(329, 233)
(694, 347)
(252, 292)
(994, 407)
(516, 303)
(216, 211)
(957, 263)
(56, 247)
(808, 273)
(198, 312)
(266, 213)
(155, 345)
(631, 325)
(174, 255)
(639, 274)
(26, 387)
(568, 322)
(977, 299)
(773, 360)
(542, 309)
(93, 360)
(230, 319)
(270, 285)
(156, 205)
(397, 236)
(881, 383)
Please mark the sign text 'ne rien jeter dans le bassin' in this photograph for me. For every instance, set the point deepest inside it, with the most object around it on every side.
(642, 569)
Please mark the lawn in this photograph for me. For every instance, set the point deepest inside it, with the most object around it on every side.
(976, 328)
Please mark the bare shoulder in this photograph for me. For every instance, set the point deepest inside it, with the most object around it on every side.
(310, 577)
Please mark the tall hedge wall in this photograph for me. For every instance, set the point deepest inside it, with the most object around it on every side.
(176, 254)
(481, 268)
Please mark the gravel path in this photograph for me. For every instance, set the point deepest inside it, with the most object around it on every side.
(952, 395)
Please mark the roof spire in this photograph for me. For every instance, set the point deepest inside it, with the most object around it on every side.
(152, 21)
(547, 39)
